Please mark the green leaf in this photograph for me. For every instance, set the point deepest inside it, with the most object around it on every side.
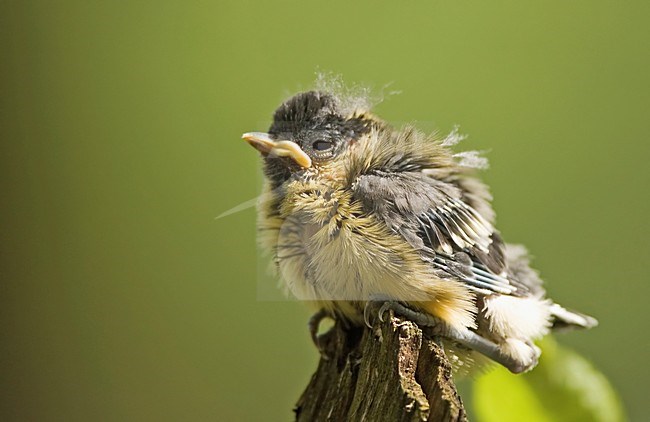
(563, 387)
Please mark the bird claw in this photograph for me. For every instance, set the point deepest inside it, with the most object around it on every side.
(371, 304)
(366, 315)
(382, 310)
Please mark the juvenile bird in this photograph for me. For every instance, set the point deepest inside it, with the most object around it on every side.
(357, 211)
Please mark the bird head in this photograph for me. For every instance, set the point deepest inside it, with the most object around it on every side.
(309, 135)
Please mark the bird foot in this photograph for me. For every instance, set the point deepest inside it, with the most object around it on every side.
(438, 328)
(384, 304)
(318, 339)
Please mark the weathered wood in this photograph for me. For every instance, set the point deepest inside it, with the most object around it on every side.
(390, 373)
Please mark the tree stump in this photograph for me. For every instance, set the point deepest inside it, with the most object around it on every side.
(391, 372)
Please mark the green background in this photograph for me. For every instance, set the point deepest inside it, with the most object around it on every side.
(122, 298)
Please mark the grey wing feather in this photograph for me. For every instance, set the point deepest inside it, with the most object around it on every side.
(451, 234)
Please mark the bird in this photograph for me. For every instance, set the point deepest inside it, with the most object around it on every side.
(358, 212)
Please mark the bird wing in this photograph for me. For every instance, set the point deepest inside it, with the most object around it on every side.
(434, 218)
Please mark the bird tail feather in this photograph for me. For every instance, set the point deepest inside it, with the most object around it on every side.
(564, 319)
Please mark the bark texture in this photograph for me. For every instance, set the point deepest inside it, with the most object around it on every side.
(390, 373)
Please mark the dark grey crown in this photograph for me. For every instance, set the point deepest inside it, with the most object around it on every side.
(305, 111)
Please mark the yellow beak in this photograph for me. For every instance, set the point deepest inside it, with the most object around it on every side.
(264, 144)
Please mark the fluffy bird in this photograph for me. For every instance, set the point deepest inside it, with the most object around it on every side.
(357, 212)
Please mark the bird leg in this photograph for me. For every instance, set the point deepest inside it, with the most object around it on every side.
(464, 337)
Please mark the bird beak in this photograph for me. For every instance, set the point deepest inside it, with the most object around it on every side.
(267, 146)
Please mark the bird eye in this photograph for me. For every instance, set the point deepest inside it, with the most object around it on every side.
(321, 145)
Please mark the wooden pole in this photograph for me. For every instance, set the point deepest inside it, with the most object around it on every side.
(391, 372)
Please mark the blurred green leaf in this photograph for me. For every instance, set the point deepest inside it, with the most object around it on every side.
(563, 387)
